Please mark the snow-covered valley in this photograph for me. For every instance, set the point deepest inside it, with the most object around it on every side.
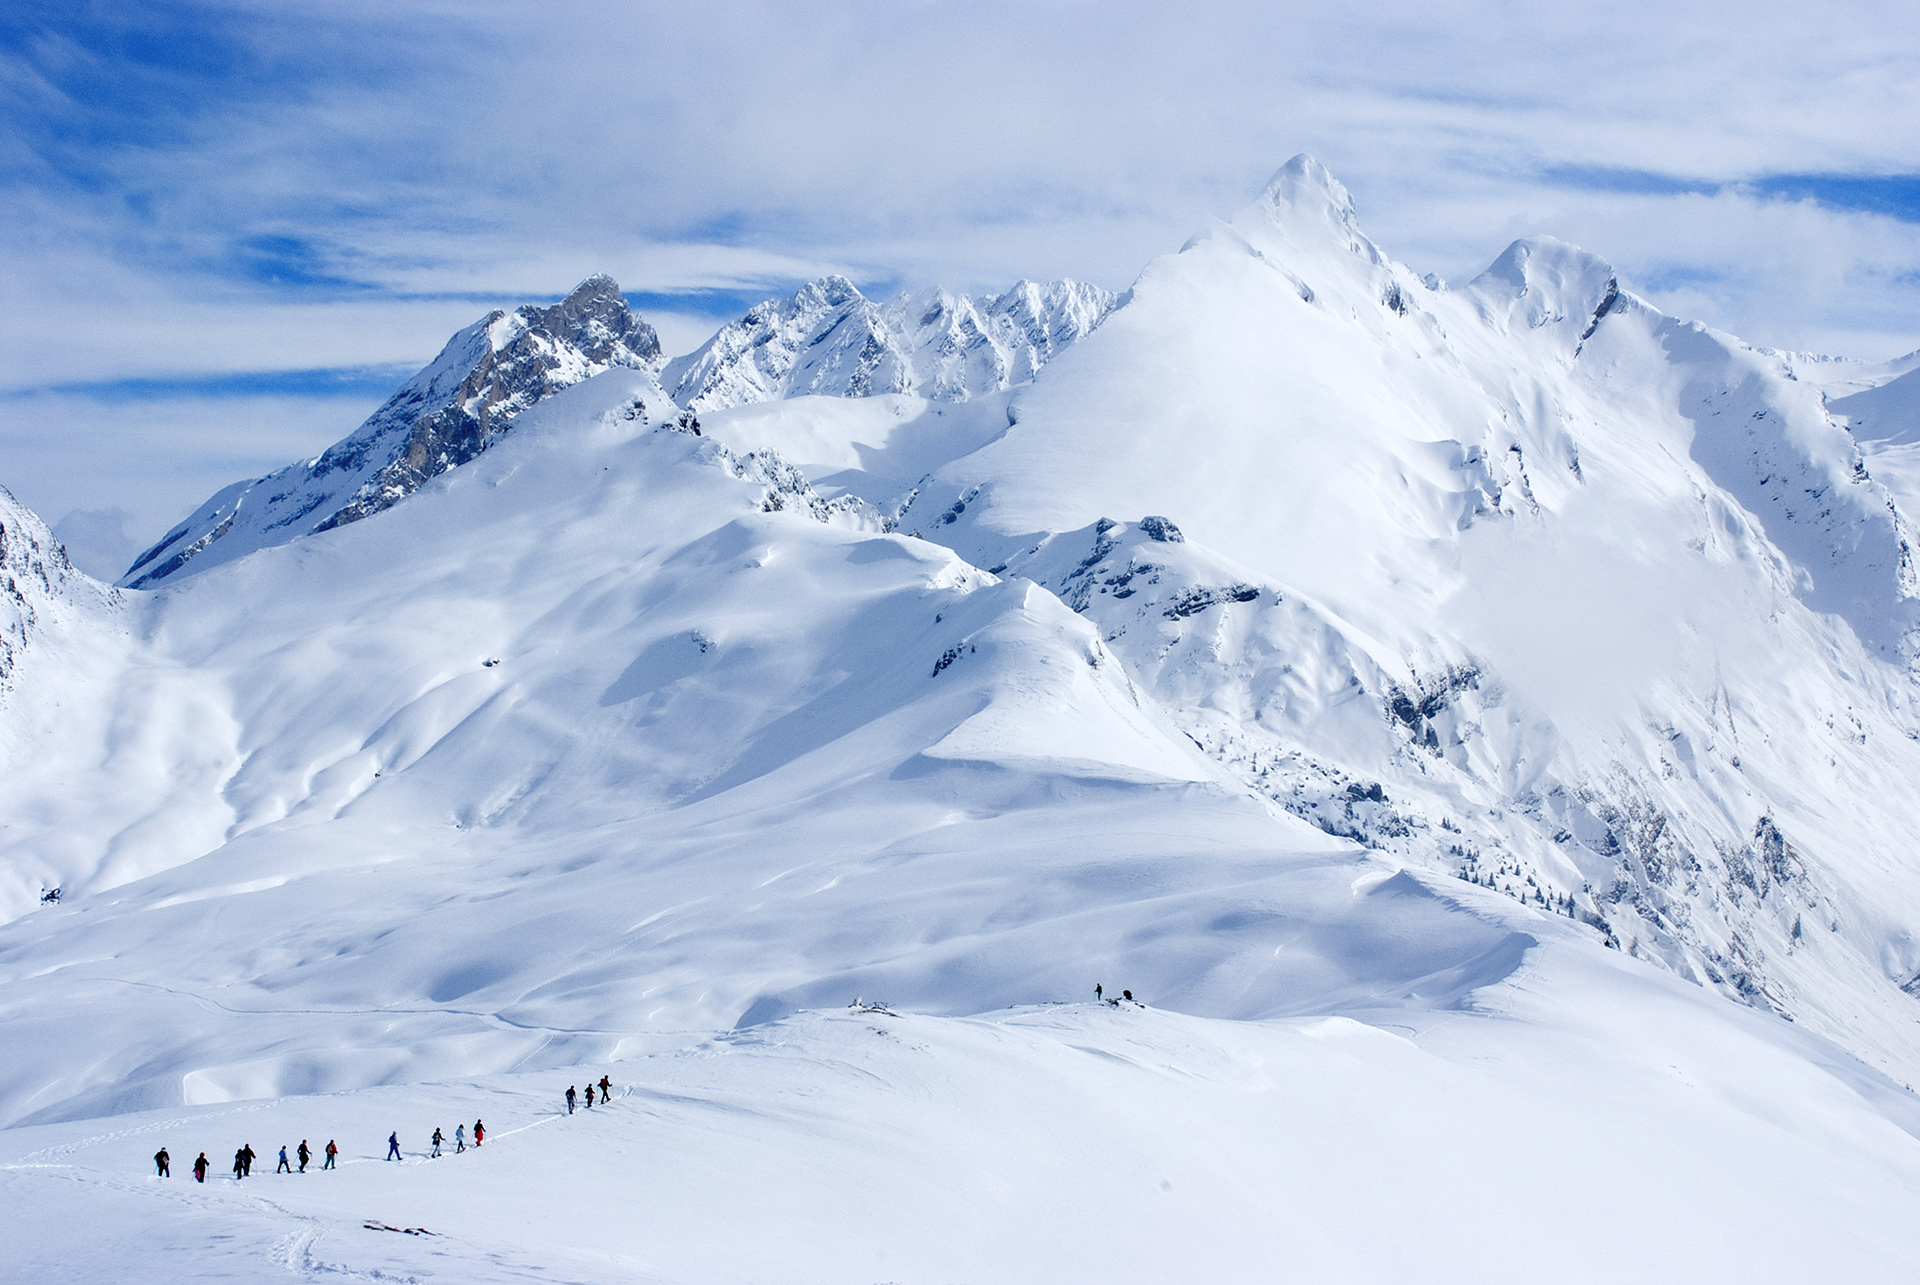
(1479, 725)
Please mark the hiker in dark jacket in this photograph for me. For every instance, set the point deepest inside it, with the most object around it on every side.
(569, 1099)
(393, 1145)
(479, 1133)
(162, 1163)
(606, 1089)
(438, 1137)
(246, 1160)
(589, 1097)
(200, 1168)
(239, 1165)
(305, 1155)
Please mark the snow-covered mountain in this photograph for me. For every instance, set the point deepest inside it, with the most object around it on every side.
(455, 408)
(1523, 581)
(1472, 721)
(830, 339)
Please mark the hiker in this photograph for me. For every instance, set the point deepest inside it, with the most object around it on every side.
(589, 1097)
(393, 1145)
(284, 1166)
(569, 1099)
(1127, 996)
(606, 1089)
(479, 1133)
(200, 1168)
(239, 1165)
(161, 1163)
(332, 1151)
(1098, 993)
(436, 1140)
(305, 1154)
(247, 1158)
(459, 1138)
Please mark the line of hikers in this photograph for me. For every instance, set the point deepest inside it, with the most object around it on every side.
(243, 1161)
(459, 1139)
(606, 1093)
(243, 1158)
(439, 1138)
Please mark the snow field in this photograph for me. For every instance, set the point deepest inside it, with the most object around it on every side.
(1077, 1142)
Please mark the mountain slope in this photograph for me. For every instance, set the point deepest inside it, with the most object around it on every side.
(1469, 721)
(830, 339)
(455, 408)
(1885, 420)
(1522, 581)
(35, 580)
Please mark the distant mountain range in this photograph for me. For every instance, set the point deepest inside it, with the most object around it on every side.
(1293, 637)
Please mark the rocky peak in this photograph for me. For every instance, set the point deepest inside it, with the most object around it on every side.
(448, 413)
(596, 321)
(829, 339)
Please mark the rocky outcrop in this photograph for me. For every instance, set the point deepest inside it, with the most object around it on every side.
(36, 582)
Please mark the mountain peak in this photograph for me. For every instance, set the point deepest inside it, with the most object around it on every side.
(594, 318)
(1544, 262)
(1551, 284)
(1305, 187)
(449, 412)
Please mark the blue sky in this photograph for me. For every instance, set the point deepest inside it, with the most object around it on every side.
(227, 229)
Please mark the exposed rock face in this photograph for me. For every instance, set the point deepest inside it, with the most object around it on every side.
(830, 339)
(444, 416)
(36, 579)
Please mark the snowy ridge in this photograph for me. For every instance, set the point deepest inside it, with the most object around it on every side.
(1421, 760)
(830, 339)
(455, 408)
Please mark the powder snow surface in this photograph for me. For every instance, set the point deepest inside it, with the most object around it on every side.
(1477, 725)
